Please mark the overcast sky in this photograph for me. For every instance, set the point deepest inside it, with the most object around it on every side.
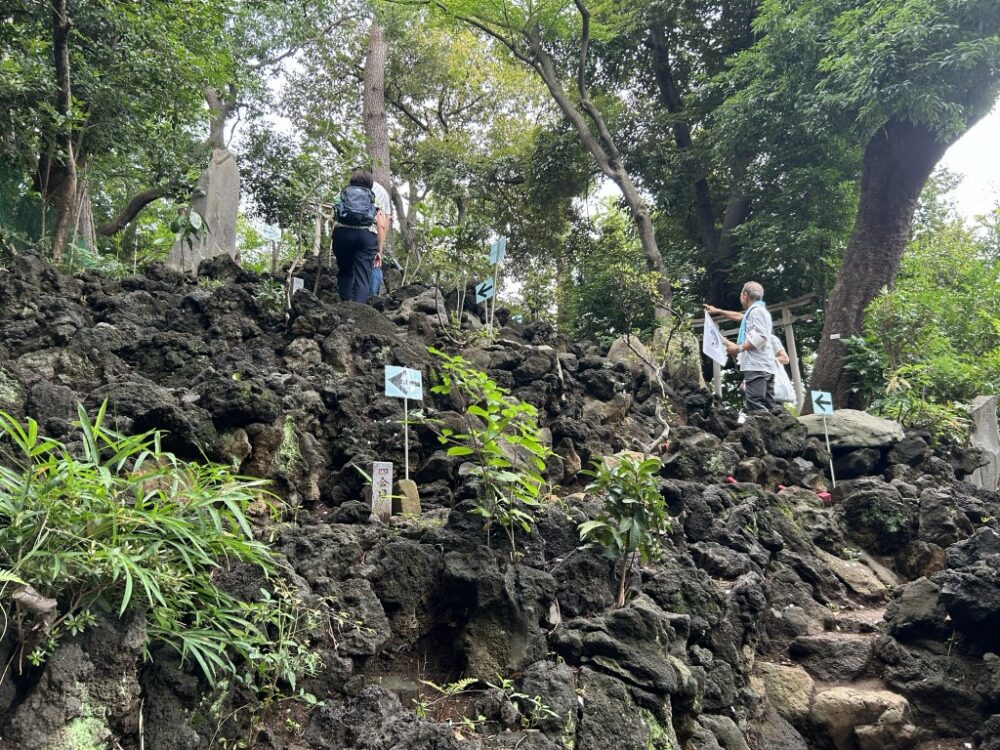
(976, 157)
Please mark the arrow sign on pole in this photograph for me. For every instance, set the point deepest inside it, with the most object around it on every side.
(822, 402)
(484, 291)
(403, 382)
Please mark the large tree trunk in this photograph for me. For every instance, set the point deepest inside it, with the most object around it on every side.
(897, 162)
(65, 197)
(373, 111)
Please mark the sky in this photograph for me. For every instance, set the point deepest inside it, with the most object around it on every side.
(976, 157)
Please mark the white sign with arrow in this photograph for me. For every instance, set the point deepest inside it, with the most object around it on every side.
(822, 403)
(485, 290)
(404, 383)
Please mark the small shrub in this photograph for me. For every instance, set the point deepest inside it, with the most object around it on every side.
(634, 517)
(501, 441)
(128, 527)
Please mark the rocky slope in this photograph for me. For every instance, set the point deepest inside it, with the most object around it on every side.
(779, 618)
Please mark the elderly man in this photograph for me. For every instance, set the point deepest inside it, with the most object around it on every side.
(753, 350)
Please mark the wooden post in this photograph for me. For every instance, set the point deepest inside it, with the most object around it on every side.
(793, 356)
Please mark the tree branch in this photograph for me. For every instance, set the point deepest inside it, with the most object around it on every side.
(134, 207)
(272, 61)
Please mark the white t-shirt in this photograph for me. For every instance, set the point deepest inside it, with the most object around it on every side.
(383, 202)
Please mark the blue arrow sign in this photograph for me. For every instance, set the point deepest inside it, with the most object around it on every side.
(822, 402)
(403, 382)
(498, 250)
(484, 291)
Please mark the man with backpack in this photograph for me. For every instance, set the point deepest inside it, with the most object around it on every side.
(358, 236)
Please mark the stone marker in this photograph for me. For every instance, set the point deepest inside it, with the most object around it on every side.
(986, 437)
(407, 497)
(218, 205)
(382, 489)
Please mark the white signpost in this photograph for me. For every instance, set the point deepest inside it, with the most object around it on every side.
(382, 489)
(404, 383)
(298, 284)
(822, 403)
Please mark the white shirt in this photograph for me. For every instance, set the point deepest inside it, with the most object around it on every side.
(383, 202)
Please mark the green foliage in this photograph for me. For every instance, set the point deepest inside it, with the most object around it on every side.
(634, 516)
(861, 63)
(501, 441)
(125, 527)
(610, 293)
(188, 226)
(932, 343)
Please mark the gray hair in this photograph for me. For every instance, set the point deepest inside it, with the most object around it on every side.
(754, 290)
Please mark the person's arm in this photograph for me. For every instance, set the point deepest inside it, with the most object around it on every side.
(782, 357)
(381, 230)
(734, 315)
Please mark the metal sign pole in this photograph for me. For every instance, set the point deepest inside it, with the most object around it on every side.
(406, 438)
(826, 432)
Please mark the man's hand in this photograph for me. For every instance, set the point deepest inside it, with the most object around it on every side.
(712, 310)
(732, 348)
(378, 260)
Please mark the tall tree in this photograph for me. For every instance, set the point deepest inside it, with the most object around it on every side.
(539, 35)
(904, 77)
(373, 109)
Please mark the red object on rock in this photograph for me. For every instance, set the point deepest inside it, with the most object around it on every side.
(781, 487)
(731, 480)
(826, 497)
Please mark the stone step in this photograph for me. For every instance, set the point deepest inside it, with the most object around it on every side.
(833, 657)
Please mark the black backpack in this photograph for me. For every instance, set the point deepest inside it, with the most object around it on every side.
(355, 207)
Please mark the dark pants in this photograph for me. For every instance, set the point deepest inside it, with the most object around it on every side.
(354, 249)
(759, 391)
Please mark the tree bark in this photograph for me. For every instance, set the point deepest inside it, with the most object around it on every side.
(897, 162)
(670, 98)
(726, 252)
(221, 108)
(405, 221)
(373, 112)
(65, 197)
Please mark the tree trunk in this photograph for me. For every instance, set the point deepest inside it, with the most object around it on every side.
(65, 197)
(405, 221)
(897, 162)
(726, 252)
(373, 111)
